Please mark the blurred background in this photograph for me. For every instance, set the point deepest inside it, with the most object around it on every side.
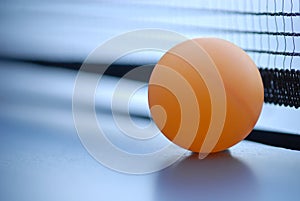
(63, 33)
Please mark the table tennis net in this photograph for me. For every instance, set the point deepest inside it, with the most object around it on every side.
(269, 31)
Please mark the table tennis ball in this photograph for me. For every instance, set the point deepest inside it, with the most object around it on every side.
(201, 85)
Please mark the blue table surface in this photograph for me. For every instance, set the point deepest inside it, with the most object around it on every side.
(42, 158)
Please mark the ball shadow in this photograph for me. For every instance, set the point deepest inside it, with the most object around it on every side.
(217, 177)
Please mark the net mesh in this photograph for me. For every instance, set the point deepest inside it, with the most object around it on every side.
(269, 31)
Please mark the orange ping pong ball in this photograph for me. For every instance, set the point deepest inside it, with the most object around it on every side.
(205, 94)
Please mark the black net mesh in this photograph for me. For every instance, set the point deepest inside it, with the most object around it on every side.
(269, 31)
